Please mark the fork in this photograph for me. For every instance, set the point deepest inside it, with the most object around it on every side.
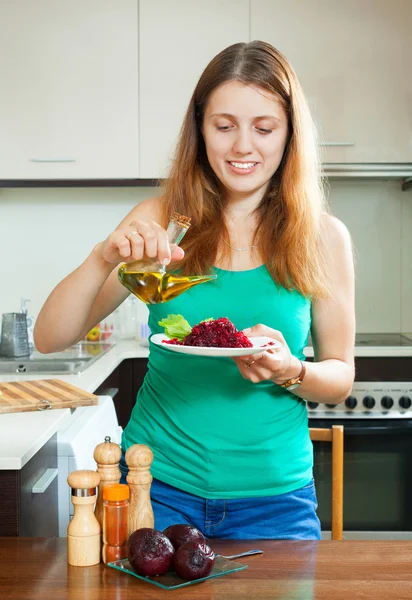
(119, 563)
(248, 553)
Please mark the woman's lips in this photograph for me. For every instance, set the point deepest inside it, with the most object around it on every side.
(249, 167)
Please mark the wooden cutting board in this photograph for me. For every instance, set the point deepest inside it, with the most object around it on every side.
(42, 394)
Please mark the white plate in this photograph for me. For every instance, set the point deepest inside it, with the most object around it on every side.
(259, 345)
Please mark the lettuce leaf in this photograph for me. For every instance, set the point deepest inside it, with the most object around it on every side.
(175, 326)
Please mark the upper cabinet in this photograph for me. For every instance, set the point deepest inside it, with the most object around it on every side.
(177, 40)
(353, 59)
(98, 89)
(69, 97)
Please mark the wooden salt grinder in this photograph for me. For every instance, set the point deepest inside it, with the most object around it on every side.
(107, 456)
(139, 458)
(83, 532)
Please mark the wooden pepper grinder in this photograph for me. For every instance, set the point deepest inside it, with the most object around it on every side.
(139, 458)
(83, 532)
(107, 456)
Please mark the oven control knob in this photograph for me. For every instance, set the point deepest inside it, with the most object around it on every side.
(369, 402)
(405, 402)
(387, 402)
(313, 404)
(331, 405)
(351, 402)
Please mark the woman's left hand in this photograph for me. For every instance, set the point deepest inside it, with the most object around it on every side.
(274, 364)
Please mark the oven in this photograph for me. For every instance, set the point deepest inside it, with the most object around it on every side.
(377, 420)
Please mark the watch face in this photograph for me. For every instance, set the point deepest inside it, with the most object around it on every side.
(293, 386)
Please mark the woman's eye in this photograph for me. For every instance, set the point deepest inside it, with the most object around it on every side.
(229, 127)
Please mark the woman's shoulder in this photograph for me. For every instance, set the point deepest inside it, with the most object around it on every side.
(334, 232)
(337, 247)
(150, 209)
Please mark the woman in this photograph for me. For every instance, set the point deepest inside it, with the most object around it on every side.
(232, 453)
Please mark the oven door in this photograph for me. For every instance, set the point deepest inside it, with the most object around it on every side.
(377, 478)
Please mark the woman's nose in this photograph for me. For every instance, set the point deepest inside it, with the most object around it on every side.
(243, 142)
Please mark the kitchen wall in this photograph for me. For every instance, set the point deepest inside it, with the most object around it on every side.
(46, 233)
(379, 217)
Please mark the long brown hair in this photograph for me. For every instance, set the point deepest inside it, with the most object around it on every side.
(289, 214)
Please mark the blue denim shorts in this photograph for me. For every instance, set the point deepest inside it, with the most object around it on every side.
(290, 516)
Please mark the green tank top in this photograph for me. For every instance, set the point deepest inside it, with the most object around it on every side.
(213, 433)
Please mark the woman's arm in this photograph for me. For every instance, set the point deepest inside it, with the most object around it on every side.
(77, 303)
(93, 290)
(329, 379)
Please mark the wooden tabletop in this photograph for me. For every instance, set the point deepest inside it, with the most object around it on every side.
(36, 569)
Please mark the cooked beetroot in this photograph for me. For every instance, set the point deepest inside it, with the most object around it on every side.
(193, 560)
(181, 533)
(219, 333)
(150, 552)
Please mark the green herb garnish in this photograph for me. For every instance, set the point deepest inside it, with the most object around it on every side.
(175, 326)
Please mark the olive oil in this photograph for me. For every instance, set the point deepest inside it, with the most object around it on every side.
(147, 278)
(156, 287)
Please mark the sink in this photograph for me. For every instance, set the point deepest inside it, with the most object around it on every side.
(11, 367)
(71, 361)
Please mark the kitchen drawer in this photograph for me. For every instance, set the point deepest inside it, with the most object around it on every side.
(22, 512)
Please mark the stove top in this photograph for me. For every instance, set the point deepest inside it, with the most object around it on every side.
(396, 340)
(382, 339)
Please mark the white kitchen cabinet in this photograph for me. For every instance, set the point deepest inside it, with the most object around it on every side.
(353, 58)
(177, 40)
(69, 89)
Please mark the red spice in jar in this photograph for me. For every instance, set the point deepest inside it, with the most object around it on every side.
(115, 522)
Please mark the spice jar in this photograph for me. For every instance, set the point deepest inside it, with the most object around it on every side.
(115, 522)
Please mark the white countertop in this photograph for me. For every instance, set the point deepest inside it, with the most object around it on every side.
(90, 379)
(23, 434)
(93, 376)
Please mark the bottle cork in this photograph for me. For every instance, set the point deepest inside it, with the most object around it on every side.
(139, 459)
(83, 532)
(107, 456)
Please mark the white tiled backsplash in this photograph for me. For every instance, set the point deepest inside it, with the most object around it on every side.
(46, 233)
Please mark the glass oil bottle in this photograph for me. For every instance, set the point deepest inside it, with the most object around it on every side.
(148, 279)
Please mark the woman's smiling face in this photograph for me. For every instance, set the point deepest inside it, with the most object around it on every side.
(245, 131)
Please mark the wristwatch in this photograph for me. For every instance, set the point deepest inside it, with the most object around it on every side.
(292, 384)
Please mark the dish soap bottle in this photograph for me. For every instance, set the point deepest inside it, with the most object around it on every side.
(148, 279)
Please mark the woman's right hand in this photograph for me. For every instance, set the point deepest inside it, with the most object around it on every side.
(139, 239)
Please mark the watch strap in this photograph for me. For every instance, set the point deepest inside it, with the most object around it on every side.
(295, 381)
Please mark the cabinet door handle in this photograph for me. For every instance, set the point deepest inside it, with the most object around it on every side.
(52, 160)
(336, 143)
(45, 480)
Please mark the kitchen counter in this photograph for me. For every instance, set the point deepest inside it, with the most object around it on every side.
(93, 376)
(23, 434)
(36, 568)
